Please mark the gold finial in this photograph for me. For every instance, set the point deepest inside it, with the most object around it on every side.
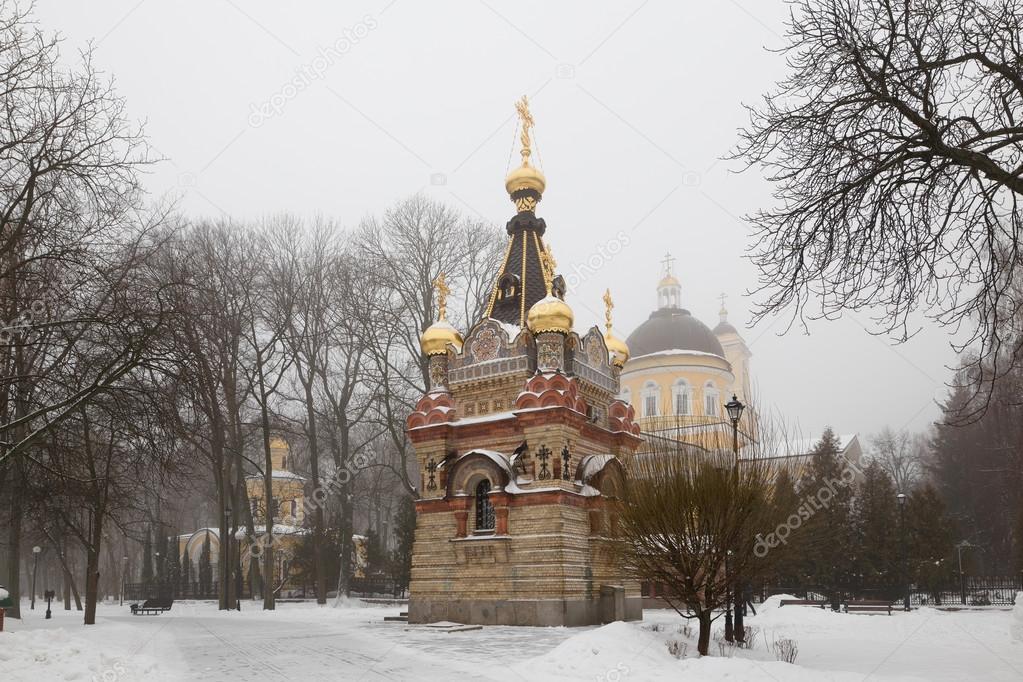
(549, 266)
(609, 304)
(442, 289)
(526, 121)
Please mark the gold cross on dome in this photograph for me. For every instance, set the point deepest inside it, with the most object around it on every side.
(668, 261)
(609, 304)
(442, 289)
(526, 121)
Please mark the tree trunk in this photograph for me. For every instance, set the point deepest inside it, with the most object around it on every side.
(14, 543)
(267, 541)
(320, 568)
(703, 645)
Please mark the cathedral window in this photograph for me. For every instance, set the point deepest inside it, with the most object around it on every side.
(508, 286)
(711, 398)
(650, 395)
(484, 507)
(682, 398)
(294, 510)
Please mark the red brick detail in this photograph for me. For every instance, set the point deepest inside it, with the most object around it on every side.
(462, 524)
(501, 516)
(432, 408)
(551, 390)
(622, 417)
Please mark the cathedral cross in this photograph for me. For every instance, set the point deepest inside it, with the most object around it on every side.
(442, 289)
(668, 261)
(609, 304)
(526, 121)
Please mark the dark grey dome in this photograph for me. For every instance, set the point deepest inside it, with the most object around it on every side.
(725, 328)
(673, 329)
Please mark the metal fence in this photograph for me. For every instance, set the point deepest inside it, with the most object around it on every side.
(970, 591)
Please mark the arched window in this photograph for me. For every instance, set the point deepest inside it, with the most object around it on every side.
(508, 286)
(651, 394)
(682, 397)
(294, 510)
(711, 398)
(484, 508)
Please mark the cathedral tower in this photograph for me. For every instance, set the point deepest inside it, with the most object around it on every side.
(520, 441)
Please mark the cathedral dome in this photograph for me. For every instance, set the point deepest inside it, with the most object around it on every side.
(437, 336)
(550, 314)
(673, 329)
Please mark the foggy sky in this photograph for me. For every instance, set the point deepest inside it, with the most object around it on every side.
(344, 108)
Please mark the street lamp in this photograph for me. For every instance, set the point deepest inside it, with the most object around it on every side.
(226, 547)
(902, 498)
(35, 569)
(965, 544)
(124, 564)
(734, 408)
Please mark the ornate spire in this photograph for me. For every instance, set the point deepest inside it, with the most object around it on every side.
(525, 184)
(616, 347)
(609, 305)
(442, 289)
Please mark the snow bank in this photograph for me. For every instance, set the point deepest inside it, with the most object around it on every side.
(1017, 618)
(56, 654)
(613, 652)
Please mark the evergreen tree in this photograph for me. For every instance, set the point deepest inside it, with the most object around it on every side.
(405, 531)
(205, 567)
(786, 558)
(931, 540)
(376, 560)
(186, 569)
(147, 558)
(173, 563)
(825, 538)
(877, 548)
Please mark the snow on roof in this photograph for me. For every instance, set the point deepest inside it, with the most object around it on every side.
(803, 447)
(282, 529)
(679, 351)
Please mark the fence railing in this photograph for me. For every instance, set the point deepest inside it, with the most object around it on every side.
(970, 591)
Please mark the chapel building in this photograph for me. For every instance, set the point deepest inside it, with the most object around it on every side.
(520, 442)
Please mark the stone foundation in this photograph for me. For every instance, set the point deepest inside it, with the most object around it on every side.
(541, 613)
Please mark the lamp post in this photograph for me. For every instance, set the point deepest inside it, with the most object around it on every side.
(734, 408)
(124, 565)
(49, 595)
(35, 569)
(902, 498)
(965, 544)
(226, 547)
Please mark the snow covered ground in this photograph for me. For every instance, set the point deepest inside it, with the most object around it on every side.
(304, 642)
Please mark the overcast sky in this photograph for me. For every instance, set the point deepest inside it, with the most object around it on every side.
(635, 105)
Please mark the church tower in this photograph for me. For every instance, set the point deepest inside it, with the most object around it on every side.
(736, 352)
(520, 441)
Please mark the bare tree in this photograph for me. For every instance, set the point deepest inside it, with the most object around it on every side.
(896, 150)
(901, 455)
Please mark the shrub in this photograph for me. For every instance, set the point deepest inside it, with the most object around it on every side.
(677, 648)
(785, 650)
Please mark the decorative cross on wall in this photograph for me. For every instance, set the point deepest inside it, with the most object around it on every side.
(431, 468)
(566, 457)
(543, 454)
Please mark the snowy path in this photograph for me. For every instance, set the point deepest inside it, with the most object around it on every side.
(304, 642)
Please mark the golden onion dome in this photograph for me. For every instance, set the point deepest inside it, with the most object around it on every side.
(525, 177)
(437, 336)
(618, 349)
(550, 314)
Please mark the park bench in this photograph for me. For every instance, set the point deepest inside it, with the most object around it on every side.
(868, 606)
(152, 607)
(803, 602)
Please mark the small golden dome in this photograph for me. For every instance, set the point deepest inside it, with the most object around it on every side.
(669, 281)
(437, 336)
(618, 349)
(525, 177)
(550, 314)
(278, 443)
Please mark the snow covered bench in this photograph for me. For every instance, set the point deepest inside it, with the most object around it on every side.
(152, 607)
(868, 606)
(803, 602)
